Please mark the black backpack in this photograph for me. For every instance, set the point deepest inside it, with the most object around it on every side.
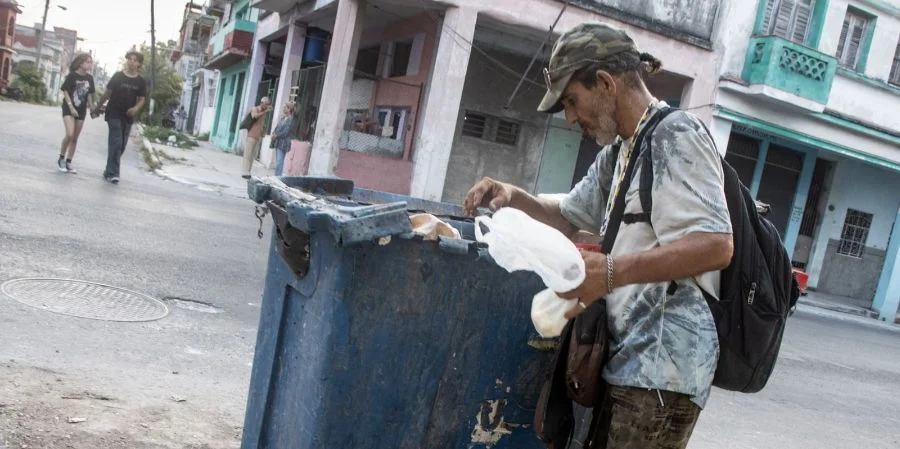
(758, 289)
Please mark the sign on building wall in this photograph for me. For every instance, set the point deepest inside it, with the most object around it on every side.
(691, 21)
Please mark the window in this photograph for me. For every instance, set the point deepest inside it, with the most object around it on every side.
(855, 233)
(474, 125)
(788, 19)
(392, 121)
(12, 26)
(852, 39)
(488, 127)
(895, 67)
(507, 132)
(367, 61)
(400, 58)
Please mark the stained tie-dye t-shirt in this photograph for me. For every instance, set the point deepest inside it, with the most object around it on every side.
(663, 335)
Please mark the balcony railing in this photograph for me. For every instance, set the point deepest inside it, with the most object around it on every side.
(235, 34)
(789, 67)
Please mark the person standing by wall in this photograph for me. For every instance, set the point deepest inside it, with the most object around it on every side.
(254, 133)
(78, 96)
(281, 137)
(127, 93)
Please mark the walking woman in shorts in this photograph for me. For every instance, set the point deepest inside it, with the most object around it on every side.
(78, 90)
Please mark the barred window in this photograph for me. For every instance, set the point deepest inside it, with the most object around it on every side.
(491, 128)
(474, 125)
(855, 233)
(507, 132)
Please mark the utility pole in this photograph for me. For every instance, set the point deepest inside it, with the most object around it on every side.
(152, 54)
(40, 51)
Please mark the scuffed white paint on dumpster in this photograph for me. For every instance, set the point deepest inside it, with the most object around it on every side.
(490, 426)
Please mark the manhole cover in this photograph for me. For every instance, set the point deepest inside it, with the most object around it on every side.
(85, 299)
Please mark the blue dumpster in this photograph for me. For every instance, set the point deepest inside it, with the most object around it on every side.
(372, 338)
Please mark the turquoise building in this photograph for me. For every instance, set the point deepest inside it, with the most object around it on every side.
(230, 50)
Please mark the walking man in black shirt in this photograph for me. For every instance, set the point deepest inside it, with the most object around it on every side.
(127, 93)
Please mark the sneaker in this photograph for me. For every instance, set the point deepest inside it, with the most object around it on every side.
(70, 169)
(114, 179)
(61, 163)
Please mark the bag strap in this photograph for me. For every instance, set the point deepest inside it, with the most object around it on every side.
(616, 216)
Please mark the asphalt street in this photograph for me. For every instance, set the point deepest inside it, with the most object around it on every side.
(145, 234)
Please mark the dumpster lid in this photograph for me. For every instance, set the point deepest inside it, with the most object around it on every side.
(315, 204)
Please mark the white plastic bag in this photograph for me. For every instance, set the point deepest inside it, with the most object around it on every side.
(518, 242)
(548, 313)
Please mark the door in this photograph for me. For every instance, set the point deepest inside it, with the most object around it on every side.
(587, 155)
(236, 108)
(192, 113)
(816, 201)
(558, 162)
(779, 184)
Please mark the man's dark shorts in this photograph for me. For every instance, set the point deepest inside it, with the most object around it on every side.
(635, 418)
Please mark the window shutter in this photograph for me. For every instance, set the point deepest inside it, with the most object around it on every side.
(895, 67)
(802, 14)
(842, 42)
(856, 38)
(852, 35)
(771, 5)
(783, 19)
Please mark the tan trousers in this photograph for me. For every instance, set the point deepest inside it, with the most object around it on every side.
(251, 148)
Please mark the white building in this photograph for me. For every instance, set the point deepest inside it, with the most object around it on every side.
(205, 85)
(806, 109)
(189, 57)
(58, 51)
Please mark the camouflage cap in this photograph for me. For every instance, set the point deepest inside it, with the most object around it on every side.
(580, 46)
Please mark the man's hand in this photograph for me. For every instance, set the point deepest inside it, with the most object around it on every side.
(594, 286)
(75, 114)
(131, 112)
(487, 193)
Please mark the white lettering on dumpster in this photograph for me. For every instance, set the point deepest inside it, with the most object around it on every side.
(490, 426)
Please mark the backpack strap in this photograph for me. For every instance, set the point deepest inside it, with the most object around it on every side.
(617, 215)
(645, 188)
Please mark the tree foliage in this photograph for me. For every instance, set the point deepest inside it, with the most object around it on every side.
(167, 91)
(29, 80)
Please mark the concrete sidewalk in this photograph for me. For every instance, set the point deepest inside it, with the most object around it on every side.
(850, 306)
(203, 167)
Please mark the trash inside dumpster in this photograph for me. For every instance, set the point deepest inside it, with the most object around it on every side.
(375, 336)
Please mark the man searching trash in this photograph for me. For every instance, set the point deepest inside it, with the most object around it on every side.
(663, 342)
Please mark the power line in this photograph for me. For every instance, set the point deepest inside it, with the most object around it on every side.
(536, 54)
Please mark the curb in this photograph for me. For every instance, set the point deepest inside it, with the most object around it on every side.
(847, 318)
(159, 171)
(148, 146)
(838, 308)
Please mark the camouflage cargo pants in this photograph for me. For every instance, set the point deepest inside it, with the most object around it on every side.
(636, 418)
